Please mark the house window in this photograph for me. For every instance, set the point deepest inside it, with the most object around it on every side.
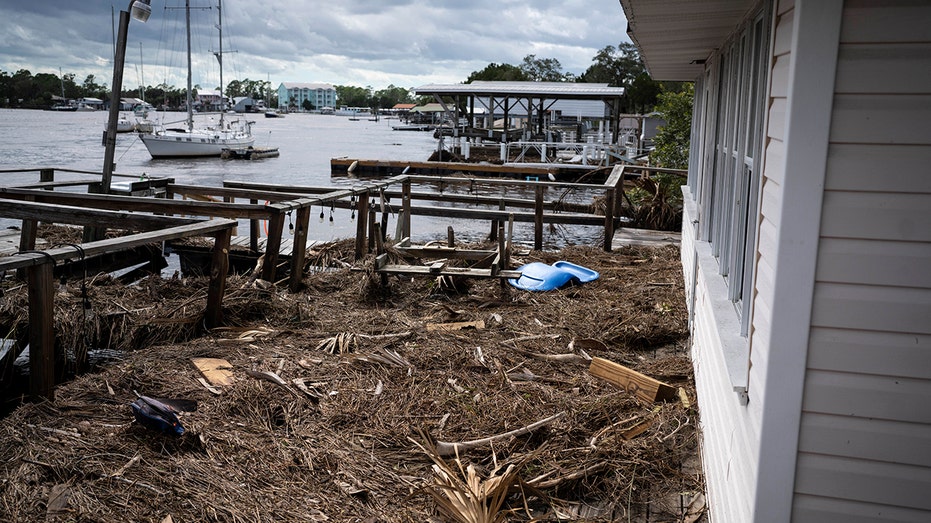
(728, 120)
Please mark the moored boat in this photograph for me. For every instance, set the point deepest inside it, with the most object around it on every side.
(195, 142)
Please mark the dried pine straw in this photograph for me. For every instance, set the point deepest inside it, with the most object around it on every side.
(350, 439)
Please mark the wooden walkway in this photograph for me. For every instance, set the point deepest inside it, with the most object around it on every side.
(287, 245)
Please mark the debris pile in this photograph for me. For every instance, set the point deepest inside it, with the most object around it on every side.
(335, 403)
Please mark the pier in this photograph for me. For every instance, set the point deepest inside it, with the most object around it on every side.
(153, 211)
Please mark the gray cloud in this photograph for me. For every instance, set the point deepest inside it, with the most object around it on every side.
(351, 42)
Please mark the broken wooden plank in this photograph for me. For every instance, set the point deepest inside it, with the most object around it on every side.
(455, 326)
(216, 370)
(635, 383)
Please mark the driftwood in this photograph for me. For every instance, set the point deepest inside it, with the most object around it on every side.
(444, 448)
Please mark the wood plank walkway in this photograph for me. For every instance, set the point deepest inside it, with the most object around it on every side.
(286, 249)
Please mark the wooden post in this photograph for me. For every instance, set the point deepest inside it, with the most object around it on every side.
(496, 223)
(230, 199)
(450, 237)
(538, 219)
(254, 231)
(399, 226)
(273, 245)
(361, 225)
(406, 208)
(609, 218)
(41, 331)
(300, 248)
(371, 229)
(46, 175)
(27, 238)
(384, 215)
(219, 266)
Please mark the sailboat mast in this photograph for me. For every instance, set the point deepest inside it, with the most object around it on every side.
(220, 59)
(141, 77)
(190, 101)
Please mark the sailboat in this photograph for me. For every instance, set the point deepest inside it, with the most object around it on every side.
(269, 112)
(191, 141)
(63, 105)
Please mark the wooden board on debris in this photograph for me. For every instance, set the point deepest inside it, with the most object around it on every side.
(217, 371)
(640, 385)
(455, 326)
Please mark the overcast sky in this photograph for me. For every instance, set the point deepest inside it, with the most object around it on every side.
(374, 43)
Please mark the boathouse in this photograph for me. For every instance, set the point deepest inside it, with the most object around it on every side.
(806, 244)
(537, 104)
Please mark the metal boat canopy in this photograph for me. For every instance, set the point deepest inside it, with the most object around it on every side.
(515, 99)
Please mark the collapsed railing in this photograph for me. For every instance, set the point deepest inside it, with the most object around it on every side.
(156, 220)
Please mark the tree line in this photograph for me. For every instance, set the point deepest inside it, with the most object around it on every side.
(617, 66)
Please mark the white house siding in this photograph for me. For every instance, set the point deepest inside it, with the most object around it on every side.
(865, 436)
(727, 428)
(730, 427)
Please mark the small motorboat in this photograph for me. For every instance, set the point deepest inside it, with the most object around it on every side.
(539, 276)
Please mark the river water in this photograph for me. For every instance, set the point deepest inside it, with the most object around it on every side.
(34, 139)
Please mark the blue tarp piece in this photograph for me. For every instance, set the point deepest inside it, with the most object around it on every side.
(539, 276)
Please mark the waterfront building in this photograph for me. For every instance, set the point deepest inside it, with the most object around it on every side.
(806, 243)
(293, 94)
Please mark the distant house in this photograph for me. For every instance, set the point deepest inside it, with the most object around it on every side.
(208, 100)
(293, 94)
(244, 104)
(806, 249)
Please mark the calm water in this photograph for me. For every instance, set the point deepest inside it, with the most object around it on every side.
(33, 139)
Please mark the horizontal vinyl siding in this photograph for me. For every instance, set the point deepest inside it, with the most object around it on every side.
(845, 350)
(727, 451)
(877, 482)
(874, 439)
(830, 510)
(727, 455)
(865, 440)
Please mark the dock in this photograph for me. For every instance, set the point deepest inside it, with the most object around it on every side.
(249, 153)
(195, 217)
(341, 167)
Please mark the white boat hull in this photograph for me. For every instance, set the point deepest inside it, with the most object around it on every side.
(177, 144)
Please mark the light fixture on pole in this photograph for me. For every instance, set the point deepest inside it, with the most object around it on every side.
(140, 10)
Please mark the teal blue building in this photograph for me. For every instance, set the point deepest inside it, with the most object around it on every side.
(293, 94)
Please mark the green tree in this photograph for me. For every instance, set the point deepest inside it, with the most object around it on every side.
(615, 66)
(497, 72)
(391, 96)
(307, 105)
(543, 69)
(622, 66)
(353, 96)
(672, 139)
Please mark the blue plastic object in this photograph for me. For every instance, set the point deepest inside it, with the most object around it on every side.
(539, 276)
